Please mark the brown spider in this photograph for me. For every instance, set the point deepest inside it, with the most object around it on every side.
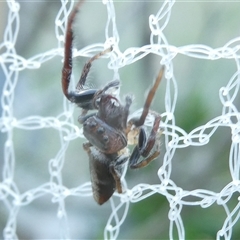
(108, 129)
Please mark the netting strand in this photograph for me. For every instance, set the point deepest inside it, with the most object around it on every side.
(65, 130)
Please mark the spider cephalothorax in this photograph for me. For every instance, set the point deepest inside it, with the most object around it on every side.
(108, 129)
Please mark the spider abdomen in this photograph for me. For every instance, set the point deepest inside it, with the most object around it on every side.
(103, 183)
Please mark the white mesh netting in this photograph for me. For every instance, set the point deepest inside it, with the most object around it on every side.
(45, 190)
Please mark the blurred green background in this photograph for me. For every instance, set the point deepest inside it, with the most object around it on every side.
(38, 92)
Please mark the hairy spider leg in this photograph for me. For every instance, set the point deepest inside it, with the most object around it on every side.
(145, 146)
(140, 121)
(86, 94)
(145, 161)
(84, 98)
(87, 67)
(67, 64)
(83, 117)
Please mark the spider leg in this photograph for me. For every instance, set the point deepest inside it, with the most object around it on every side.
(82, 97)
(67, 64)
(87, 67)
(140, 121)
(115, 169)
(83, 117)
(145, 146)
(146, 161)
(128, 103)
(152, 136)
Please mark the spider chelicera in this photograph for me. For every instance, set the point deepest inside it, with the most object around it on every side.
(108, 130)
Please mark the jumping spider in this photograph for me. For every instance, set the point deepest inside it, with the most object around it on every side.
(108, 129)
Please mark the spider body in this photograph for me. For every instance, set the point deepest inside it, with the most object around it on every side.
(101, 135)
(108, 129)
(103, 183)
(105, 172)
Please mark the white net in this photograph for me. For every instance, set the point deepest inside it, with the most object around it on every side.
(191, 190)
